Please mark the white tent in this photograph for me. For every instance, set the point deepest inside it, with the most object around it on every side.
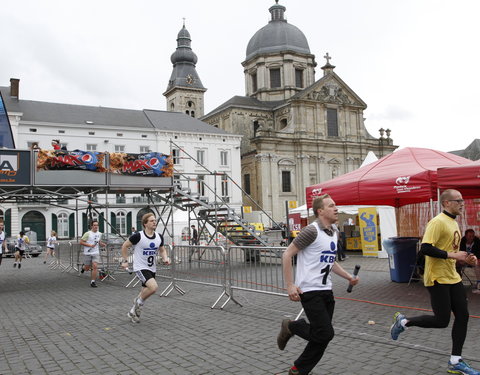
(388, 222)
(370, 158)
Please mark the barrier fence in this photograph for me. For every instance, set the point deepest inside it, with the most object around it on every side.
(248, 268)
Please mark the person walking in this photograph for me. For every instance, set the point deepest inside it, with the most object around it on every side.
(194, 235)
(316, 248)
(440, 245)
(51, 241)
(91, 251)
(20, 247)
(147, 244)
(3, 242)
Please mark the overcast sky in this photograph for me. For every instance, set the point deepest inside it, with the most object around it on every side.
(416, 63)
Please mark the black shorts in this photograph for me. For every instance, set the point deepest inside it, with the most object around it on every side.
(144, 276)
(21, 252)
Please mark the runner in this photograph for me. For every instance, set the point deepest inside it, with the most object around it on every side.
(51, 241)
(440, 245)
(20, 247)
(147, 244)
(3, 242)
(91, 251)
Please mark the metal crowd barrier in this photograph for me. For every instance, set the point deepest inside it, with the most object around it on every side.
(204, 265)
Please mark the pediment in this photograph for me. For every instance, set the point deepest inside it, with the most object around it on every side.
(331, 89)
(334, 161)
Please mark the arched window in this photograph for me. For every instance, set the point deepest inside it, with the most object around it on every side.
(62, 225)
(121, 223)
(2, 216)
(172, 107)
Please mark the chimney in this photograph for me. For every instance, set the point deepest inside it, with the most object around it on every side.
(14, 87)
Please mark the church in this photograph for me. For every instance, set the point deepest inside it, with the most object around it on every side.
(297, 130)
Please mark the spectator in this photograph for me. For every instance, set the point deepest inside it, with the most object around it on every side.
(471, 244)
(3, 243)
(194, 235)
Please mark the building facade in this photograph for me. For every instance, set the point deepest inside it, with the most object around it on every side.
(298, 131)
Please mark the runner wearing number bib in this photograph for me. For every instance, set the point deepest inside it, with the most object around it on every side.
(147, 244)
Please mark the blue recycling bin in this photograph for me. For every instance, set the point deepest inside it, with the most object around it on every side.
(402, 256)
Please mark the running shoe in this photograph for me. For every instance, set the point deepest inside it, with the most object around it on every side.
(293, 372)
(397, 327)
(133, 317)
(137, 308)
(93, 284)
(462, 368)
(82, 270)
(19, 265)
(14, 265)
(284, 335)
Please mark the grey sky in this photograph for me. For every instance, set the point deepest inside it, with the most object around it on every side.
(414, 62)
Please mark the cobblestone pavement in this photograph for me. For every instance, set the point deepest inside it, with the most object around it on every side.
(54, 323)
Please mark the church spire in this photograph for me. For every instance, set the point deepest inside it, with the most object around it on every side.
(185, 89)
(327, 68)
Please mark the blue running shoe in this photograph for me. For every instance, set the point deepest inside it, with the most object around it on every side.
(462, 368)
(397, 327)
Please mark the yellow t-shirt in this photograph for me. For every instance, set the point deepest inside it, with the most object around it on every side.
(442, 232)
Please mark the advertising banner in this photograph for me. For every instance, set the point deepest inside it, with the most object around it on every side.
(152, 164)
(78, 160)
(14, 167)
(369, 230)
(6, 137)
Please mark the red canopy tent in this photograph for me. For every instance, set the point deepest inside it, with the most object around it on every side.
(465, 178)
(406, 176)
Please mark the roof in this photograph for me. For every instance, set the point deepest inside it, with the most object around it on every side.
(472, 152)
(246, 101)
(57, 113)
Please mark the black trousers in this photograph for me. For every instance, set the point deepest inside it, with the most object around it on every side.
(445, 299)
(319, 307)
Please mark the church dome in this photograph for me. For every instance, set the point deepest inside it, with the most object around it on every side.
(277, 36)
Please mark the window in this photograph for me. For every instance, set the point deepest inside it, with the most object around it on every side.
(176, 156)
(62, 225)
(286, 182)
(299, 78)
(33, 130)
(254, 82)
(144, 136)
(144, 149)
(201, 156)
(120, 198)
(275, 78)
(224, 158)
(246, 183)
(201, 185)
(119, 134)
(91, 147)
(256, 125)
(121, 223)
(61, 131)
(119, 148)
(332, 122)
(225, 189)
(2, 216)
(91, 133)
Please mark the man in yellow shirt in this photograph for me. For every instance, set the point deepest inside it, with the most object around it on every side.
(441, 247)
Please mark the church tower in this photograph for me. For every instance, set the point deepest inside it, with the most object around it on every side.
(185, 92)
(278, 61)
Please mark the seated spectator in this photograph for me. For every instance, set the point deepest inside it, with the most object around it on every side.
(471, 244)
(56, 144)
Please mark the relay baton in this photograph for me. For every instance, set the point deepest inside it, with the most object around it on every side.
(355, 273)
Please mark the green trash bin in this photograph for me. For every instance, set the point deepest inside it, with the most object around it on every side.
(402, 256)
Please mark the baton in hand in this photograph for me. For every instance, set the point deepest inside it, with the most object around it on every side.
(355, 273)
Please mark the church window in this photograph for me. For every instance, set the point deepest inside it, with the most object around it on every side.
(275, 78)
(283, 123)
(332, 122)
(299, 78)
(286, 182)
(190, 103)
(192, 113)
(256, 125)
(172, 107)
(187, 112)
(254, 82)
(246, 183)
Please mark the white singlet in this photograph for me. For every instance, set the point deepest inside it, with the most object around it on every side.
(145, 251)
(315, 262)
(91, 238)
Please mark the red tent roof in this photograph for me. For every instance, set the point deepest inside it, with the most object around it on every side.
(406, 176)
(465, 178)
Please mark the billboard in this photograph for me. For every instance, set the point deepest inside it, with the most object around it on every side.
(6, 137)
(14, 167)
